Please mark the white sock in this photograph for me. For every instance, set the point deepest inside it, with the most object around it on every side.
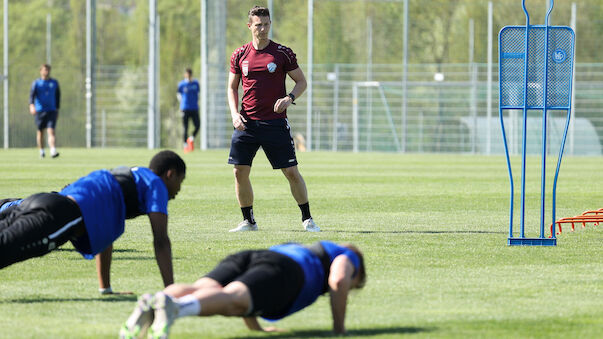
(53, 150)
(41, 151)
(188, 306)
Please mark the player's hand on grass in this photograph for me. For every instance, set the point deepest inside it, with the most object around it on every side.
(274, 329)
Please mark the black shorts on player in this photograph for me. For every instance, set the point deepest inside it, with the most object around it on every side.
(46, 120)
(274, 136)
(40, 224)
(273, 279)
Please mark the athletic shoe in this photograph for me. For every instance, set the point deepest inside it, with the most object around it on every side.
(139, 321)
(166, 311)
(55, 155)
(191, 143)
(245, 226)
(186, 148)
(310, 226)
(42, 155)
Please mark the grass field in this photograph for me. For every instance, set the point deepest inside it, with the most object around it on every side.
(433, 229)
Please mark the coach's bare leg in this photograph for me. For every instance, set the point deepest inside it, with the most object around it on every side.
(297, 184)
(243, 185)
(51, 138)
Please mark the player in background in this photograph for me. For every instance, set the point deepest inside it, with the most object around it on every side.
(44, 104)
(262, 66)
(91, 213)
(271, 283)
(188, 96)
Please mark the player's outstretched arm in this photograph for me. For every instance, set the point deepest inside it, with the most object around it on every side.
(103, 269)
(340, 283)
(163, 247)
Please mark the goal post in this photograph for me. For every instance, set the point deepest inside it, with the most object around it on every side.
(356, 114)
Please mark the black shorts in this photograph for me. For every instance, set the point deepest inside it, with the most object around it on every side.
(46, 119)
(274, 280)
(273, 135)
(41, 223)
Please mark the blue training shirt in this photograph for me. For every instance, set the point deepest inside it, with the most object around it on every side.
(45, 95)
(189, 90)
(314, 276)
(103, 208)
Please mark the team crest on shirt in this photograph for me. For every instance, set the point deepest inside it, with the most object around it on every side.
(245, 67)
(271, 67)
(50, 85)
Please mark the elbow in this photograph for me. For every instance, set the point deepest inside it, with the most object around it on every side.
(338, 284)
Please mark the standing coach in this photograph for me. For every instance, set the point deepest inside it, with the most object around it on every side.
(262, 66)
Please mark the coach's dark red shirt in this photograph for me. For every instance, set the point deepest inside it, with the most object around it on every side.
(263, 74)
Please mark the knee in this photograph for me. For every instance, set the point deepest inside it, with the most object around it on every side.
(206, 283)
(239, 299)
(292, 174)
(241, 172)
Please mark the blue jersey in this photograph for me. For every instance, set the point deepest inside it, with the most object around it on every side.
(103, 208)
(189, 91)
(314, 276)
(9, 204)
(45, 95)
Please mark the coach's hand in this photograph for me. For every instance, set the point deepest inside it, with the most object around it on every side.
(281, 104)
(238, 121)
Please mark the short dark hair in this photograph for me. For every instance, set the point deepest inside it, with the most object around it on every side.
(167, 160)
(188, 71)
(258, 11)
(47, 66)
(362, 269)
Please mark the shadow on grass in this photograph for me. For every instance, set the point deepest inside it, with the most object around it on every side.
(364, 332)
(410, 232)
(40, 300)
(115, 250)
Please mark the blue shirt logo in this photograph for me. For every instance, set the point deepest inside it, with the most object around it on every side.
(559, 56)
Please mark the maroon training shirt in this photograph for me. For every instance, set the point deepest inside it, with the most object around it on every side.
(263, 76)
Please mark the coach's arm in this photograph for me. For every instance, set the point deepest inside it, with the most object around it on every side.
(162, 245)
(233, 101)
(340, 283)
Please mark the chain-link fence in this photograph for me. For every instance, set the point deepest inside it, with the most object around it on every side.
(360, 102)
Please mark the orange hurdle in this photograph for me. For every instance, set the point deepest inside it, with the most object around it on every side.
(594, 217)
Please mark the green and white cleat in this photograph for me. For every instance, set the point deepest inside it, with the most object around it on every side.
(139, 321)
(310, 226)
(166, 311)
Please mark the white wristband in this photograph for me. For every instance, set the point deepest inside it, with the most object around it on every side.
(107, 290)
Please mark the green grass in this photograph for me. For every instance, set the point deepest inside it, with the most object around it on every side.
(433, 229)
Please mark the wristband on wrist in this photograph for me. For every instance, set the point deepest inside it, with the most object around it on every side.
(290, 95)
(107, 290)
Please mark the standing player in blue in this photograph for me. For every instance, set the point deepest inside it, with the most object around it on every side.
(262, 66)
(44, 103)
(188, 95)
(271, 283)
(91, 213)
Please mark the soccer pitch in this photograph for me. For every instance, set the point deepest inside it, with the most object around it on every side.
(433, 229)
